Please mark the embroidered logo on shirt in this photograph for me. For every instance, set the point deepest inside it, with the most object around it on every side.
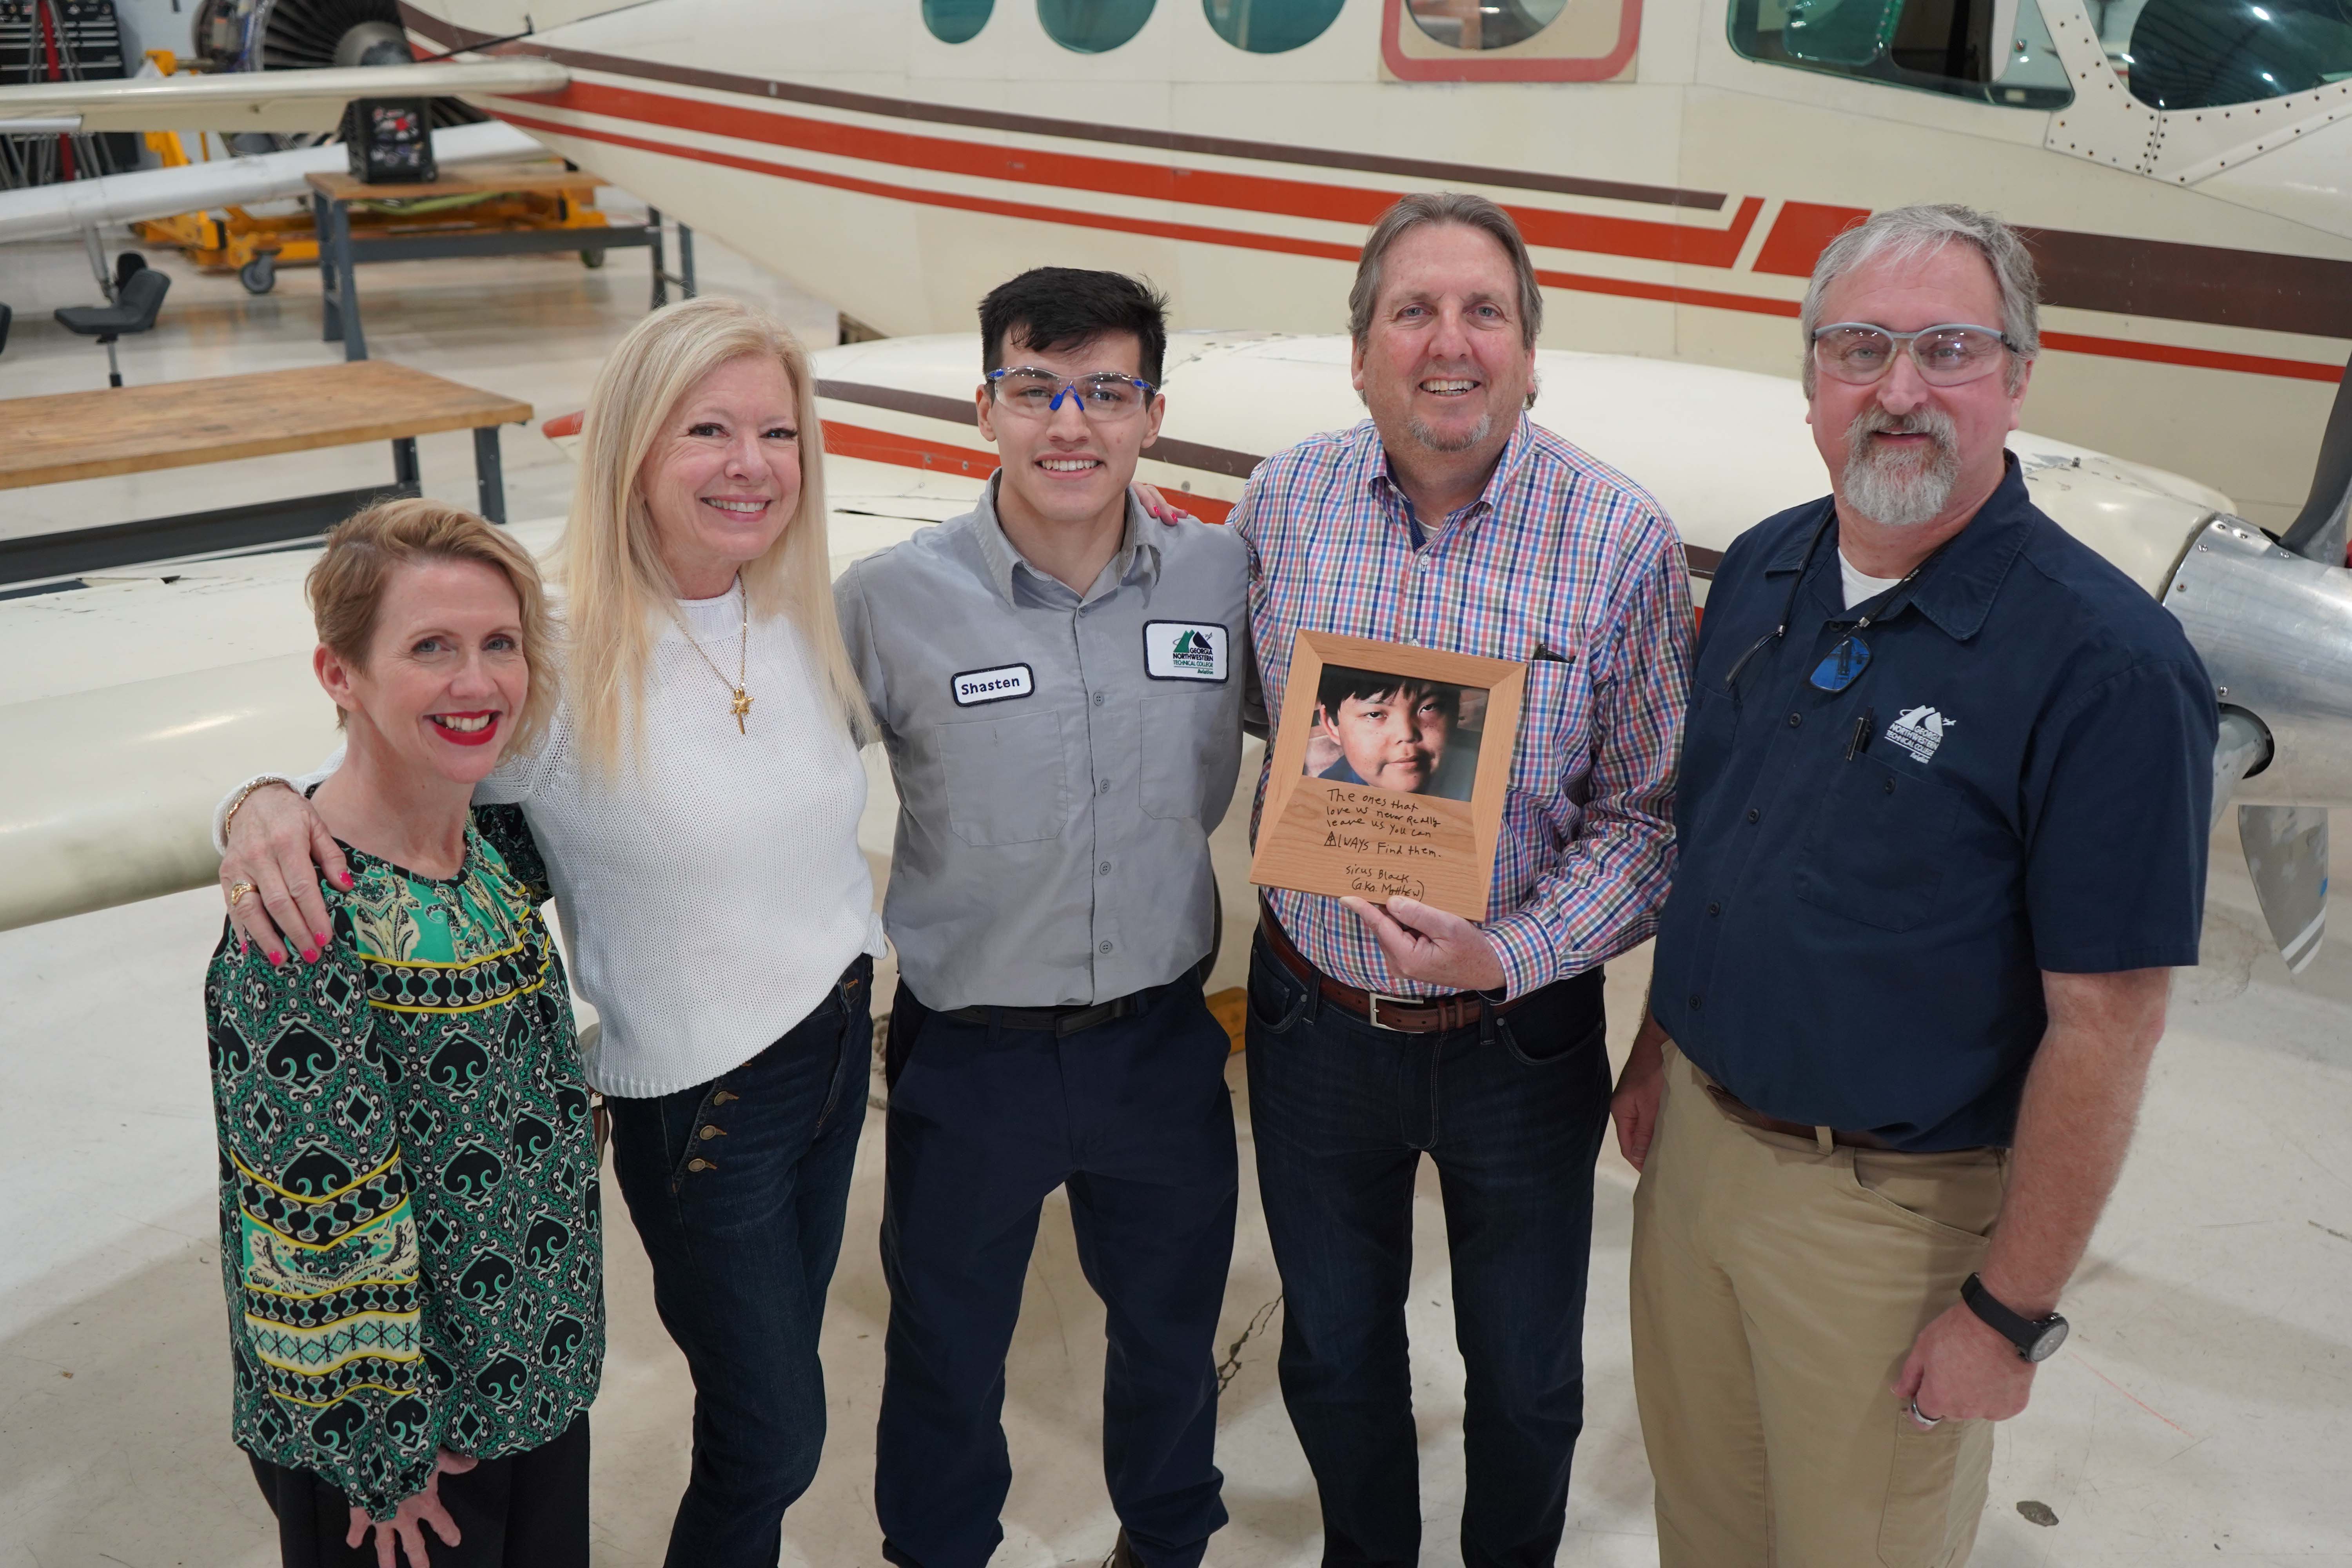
(1919, 731)
(1185, 650)
(974, 686)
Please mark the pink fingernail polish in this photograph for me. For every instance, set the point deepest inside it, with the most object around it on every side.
(309, 955)
(347, 879)
(276, 958)
(319, 937)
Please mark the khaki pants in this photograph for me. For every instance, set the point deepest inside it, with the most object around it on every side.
(1777, 1292)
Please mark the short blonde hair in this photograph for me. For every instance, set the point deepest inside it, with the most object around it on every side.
(619, 590)
(346, 590)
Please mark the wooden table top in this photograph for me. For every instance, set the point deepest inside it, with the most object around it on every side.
(459, 180)
(219, 419)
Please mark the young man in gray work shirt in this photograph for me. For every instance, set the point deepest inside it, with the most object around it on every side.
(1059, 688)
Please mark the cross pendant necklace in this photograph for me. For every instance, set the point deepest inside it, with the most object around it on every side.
(740, 707)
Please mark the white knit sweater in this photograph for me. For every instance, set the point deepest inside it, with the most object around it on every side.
(712, 893)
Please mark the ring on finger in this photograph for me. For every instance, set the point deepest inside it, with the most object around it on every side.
(1922, 1418)
(236, 892)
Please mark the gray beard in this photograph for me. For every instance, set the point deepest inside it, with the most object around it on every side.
(1430, 439)
(1894, 488)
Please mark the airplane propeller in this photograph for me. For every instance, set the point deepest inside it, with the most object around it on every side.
(2286, 846)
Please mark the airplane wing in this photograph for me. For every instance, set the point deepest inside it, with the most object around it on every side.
(262, 100)
(70, 206)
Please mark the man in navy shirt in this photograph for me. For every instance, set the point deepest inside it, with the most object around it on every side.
(1945, 794)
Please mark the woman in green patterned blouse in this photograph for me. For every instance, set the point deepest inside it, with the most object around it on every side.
(409, 1228)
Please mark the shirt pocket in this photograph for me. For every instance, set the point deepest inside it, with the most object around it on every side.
(1174, 753)
(1005, 777)
(1879, 844)
(1555, 708)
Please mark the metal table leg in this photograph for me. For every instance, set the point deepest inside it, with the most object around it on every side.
(355, 339)
(488, 478)
(330, 319)
(404, 471)
(661, 262)
(686, 260)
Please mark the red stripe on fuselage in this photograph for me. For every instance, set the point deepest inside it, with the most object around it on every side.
(1583, 283)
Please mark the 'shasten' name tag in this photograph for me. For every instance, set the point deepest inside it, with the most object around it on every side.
(1186, 650)
(974, 686)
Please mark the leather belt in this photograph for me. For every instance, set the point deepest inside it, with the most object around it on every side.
(1740, 1110)
(1062, 1022)
(1406, 1015)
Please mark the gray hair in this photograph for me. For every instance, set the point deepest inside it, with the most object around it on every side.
(1901, 234)
(1425, 208)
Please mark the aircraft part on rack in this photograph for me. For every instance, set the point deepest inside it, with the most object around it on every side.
(45, 212)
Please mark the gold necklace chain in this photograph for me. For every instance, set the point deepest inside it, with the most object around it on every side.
(742, 703)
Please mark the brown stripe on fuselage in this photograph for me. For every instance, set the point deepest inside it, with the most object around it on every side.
(454, 37)
(2223, 288)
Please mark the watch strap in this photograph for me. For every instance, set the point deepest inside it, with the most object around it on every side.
(2024, 1333)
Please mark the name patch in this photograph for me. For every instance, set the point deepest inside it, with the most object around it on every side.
(1186, 650)
(1001, 684)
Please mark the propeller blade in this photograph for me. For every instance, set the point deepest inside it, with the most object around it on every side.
(2318, 531)
(2286, 852)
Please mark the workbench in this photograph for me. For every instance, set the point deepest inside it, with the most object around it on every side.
(340, 252)
(232, 418)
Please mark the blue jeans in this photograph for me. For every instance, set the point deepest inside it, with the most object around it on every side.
(739, 1187)
(1512, 1111)
(1133, 1116)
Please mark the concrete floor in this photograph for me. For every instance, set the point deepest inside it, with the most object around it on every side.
(2202, 1413)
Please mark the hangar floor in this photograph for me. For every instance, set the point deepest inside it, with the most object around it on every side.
(2202, 1413)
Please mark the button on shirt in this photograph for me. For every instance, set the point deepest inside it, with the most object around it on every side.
(1563, 562)
(1871, 881)
(1061, 758)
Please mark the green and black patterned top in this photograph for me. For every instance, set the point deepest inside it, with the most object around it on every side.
(408, 1194)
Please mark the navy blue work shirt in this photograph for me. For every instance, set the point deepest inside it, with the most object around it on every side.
(1871, 881)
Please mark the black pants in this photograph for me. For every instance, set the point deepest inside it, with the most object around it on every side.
(1134, 1118)
(1511, 1113)
(526, 1510)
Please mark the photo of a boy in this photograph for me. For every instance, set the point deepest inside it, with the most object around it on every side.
(1393, 732)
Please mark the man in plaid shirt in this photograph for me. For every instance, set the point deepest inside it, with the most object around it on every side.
(1376, 1035)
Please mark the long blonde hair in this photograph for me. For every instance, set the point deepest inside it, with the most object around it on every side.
(620, 591)
(346, 591)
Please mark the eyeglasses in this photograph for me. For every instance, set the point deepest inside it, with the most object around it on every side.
(1842, 665)
(1858, 353)
(1034, 393)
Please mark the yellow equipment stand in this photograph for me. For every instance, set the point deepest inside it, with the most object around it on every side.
(235, 240)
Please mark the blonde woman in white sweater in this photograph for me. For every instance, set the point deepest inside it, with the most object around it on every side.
(695, 805)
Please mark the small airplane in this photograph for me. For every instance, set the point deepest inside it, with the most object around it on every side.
(1676, 166)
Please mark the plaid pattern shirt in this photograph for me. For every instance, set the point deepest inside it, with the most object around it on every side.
(1560, 554)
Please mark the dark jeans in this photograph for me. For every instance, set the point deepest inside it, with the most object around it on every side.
(1133, 1116)
(739, 1187)
(1512, 1112)
(525, 1510)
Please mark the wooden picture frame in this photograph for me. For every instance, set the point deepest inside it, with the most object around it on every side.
(1427, 824)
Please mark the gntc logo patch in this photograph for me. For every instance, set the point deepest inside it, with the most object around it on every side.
(1185, 650)
(1919, 730)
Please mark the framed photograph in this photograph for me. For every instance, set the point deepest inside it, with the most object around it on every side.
(1389, 772)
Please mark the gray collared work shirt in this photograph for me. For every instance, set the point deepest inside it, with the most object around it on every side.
(1061, 759)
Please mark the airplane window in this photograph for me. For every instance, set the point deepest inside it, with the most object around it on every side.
(1994, 51)
(1090, 26)
(956, 21)
(2200, 54)
(1270, 26)
(1485, 24)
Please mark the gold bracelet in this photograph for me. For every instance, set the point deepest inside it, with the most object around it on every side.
(228, 822)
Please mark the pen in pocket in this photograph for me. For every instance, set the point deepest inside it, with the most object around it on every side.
(1864, 723)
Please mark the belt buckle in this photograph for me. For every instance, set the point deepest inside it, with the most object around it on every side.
(1372, 1000)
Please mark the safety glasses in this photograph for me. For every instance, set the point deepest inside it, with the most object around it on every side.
(1026, 390)
(1953, 355)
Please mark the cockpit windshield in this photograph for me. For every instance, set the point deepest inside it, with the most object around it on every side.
(2201, 54)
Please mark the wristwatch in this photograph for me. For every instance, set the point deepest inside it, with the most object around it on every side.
(2036, 1338)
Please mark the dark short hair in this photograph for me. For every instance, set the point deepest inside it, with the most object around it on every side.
(1339, 683)
(1063, 307)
